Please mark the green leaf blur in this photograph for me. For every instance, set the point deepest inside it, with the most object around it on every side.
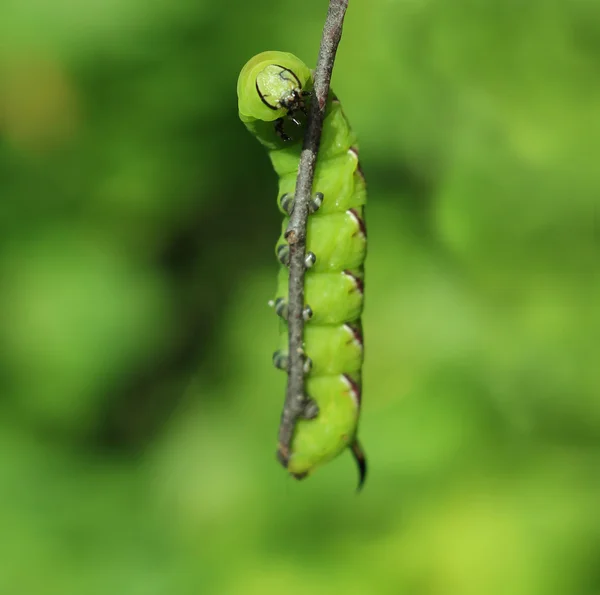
(138, 403)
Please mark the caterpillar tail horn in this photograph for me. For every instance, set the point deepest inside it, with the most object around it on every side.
(361, 462)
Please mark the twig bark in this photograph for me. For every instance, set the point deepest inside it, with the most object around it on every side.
(295, 399)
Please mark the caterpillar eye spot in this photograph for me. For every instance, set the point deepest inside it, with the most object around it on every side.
(307, 313)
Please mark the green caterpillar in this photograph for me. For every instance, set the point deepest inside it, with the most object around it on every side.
(273, 88)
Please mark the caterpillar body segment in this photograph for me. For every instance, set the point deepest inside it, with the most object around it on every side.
(274, 89)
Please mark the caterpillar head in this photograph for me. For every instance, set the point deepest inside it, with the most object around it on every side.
(272, 85)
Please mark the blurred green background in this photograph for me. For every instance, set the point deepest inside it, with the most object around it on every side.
(138, 405)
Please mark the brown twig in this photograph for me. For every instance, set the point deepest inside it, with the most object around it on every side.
(295, 399)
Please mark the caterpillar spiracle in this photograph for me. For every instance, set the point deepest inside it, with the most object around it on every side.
(274, 89)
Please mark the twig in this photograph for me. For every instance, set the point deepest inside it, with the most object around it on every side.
(295, 399)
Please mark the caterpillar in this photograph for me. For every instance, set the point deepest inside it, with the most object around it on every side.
(274, 89)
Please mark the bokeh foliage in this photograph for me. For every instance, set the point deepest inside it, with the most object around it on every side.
(139, 407)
